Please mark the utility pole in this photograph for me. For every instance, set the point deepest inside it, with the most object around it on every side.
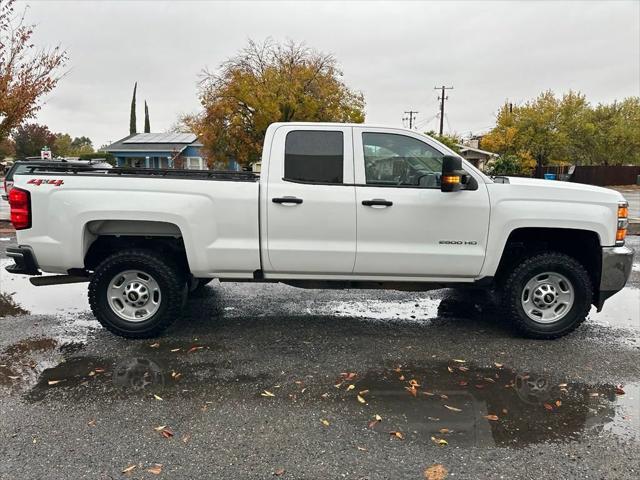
(442, 98)
(412, 116)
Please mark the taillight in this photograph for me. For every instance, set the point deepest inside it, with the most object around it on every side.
(20, 203)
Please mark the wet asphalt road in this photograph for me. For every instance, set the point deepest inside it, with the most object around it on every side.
(77, 402)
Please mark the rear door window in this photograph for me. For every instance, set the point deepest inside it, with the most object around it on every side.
(314, 156)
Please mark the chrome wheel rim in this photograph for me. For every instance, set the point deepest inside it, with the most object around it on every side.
(547, 297)
(134, 295)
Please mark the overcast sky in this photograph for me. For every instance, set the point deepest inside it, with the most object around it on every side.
(394, 52)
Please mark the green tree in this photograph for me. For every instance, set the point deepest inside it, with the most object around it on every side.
(62, 145)
(31, 138)
(81, 146)
(147, 125)
(568, 130)
(266, 83)
(451, 141)
(7, 148)
(132, 115)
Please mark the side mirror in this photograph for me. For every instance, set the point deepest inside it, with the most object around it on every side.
(452, 174)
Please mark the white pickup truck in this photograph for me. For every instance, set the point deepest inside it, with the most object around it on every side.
(336, 206)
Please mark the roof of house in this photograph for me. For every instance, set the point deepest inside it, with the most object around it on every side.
(155, 142)
(466, 148)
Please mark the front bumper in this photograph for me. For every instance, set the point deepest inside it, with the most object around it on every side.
(25, 263)
(616, 268)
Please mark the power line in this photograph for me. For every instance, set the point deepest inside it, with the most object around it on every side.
(412, 116)
(442, 98)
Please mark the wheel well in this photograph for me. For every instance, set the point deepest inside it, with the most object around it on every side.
(105, 245)
(583, 245)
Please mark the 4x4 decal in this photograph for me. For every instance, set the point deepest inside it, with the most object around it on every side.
(41, 181)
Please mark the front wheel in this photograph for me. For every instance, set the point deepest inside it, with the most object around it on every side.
(547, 295)
(135, 294)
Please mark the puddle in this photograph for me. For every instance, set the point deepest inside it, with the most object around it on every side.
(621, 310)
(49, 300)
(453, 401)
(23, 362)
(528, 408)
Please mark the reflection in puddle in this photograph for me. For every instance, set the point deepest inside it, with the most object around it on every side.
(22, 362)
(458, 403)
(462, 404)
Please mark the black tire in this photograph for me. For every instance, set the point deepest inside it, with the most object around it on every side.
(512, 292)
(170, 281)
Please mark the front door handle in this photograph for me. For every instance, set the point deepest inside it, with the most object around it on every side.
(377, 202)
(287, 200)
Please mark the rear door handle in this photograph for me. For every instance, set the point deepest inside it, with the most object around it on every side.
(377, 202)
(287, 200)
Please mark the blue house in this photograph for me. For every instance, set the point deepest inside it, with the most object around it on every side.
(158, 150)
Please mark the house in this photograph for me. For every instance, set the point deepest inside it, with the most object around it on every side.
(158, 150)
(477, 157)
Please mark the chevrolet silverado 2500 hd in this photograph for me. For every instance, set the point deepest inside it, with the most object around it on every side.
(336, 205)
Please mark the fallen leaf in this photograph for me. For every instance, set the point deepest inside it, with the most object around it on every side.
(434, 419)
(92, 422)
(489, 379)
(195, 348)
(129, 469)
(100, 370)
(398, 435)
(619, 390)
(186, 438)
(479, 386)
(414, 383)
(505, 411)
(325, 422)
(498, 365)
(372, 424)
(558, 403)
(443, 396)
(594, 394)
(173, 350)
(440, 441)
(279, 471)
(176, 375)
(362, 449)
(13, 377)
(267, 393)
(54, 382)
(450, 369)
(154, 345)
(548, 406)
(361, 399)
(463, 369)
(444, 430)
(563, 385)
(412, 391)
(459, 361)
(160, 428)
(378, 418)
(435, 472)
(157, 397)
(401, 378)
(428, 393)
(351, 387)
(156, 469)
(453, 409)
(166, 433)
(348, 376)
(493, 418)
(363, 392)
(463, 383)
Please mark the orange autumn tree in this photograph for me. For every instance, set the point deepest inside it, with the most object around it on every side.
(266, 83)
(26, 72)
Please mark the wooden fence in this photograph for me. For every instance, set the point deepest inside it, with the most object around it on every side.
(595, 175)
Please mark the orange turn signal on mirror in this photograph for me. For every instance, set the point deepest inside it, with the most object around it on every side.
(451, 179)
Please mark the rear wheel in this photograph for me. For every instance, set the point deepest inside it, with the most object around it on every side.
(135, 294)
(547, 295)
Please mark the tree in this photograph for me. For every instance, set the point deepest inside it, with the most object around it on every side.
(7, 148)
(132, 115)
(147, 126)
(567, 130)
(451, 141)
(64, 146)
(266, 83)
(31, 138)
(27, 73)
